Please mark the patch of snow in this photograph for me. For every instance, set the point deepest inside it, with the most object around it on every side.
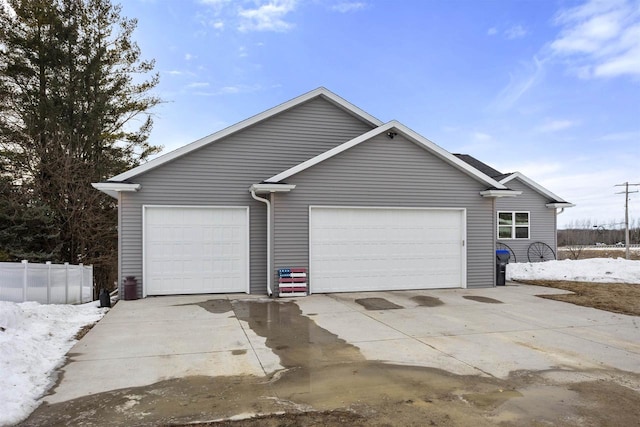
(34, 340)
(604, 270)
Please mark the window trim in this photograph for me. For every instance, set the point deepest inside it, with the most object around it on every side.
(513, 225)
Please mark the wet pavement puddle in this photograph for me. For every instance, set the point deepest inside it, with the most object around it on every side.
(482, 299)
(377, 304)
(217, 306)
(427, 301)
(322, 374)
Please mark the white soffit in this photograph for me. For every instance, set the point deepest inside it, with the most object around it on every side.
(272, 188)
(113, 188)
(500, 193)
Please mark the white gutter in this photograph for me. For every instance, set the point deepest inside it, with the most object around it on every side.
(559, 205)
(269, 188)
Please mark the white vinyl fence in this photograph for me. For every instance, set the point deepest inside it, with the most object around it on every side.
(46, 283)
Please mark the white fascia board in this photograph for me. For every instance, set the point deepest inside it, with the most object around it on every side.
(406, 132)
(500, 193)
(113, 188)
(531, 183)
(321, 91)
(344, 104)
(559, 205)
(271, 188)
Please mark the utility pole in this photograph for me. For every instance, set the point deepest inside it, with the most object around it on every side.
(626, 214)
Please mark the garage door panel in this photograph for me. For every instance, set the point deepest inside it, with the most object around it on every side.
(361, 249)
(195, 250)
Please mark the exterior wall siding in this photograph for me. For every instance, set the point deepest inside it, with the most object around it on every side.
(221, 173)
(385, 173)
(542, 227)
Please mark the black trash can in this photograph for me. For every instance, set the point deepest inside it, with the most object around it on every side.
(130, 288)
(105, 298)
(502, 259)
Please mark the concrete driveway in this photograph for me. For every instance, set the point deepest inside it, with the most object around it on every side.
(487, 332)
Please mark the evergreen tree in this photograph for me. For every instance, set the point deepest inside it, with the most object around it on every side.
(75, 97)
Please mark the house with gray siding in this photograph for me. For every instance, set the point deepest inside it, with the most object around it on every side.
(526, 224)
(318, 184)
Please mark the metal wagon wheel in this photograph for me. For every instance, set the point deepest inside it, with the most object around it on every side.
(540, 251)
(512, 255)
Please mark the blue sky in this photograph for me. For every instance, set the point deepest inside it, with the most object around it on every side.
(550, 88)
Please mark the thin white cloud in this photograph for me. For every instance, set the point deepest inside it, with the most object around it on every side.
(492, 31)
(515, 32)
(179, 73)
(346, 7)
(216, 4)
(218, 25)
(231, 90)
(556, 125)
(519, 84)
(481, 136)
(600, 38)
(596, 201)
(188, 57)
(621, 136)
(269, 16)
(537, 169)
(198, 85)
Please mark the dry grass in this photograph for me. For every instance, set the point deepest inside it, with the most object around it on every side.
(587, 253)
(83, 331)
(615, 297)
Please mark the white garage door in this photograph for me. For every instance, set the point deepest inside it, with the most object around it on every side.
(369, 249)
(193, 250)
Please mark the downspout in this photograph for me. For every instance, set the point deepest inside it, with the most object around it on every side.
(555, 237)
(268, 203)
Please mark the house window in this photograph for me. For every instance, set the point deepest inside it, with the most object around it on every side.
(513, 225)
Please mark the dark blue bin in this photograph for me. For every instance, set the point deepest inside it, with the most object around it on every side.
(502, 259)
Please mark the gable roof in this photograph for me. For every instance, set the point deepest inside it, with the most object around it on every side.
(537, 187)
(320, 92)
(504, 178)
(391, 128)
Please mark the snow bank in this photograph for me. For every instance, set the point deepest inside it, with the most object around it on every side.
(605, 270)
(34, 339)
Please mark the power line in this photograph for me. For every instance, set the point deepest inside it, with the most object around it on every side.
(626, 213)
